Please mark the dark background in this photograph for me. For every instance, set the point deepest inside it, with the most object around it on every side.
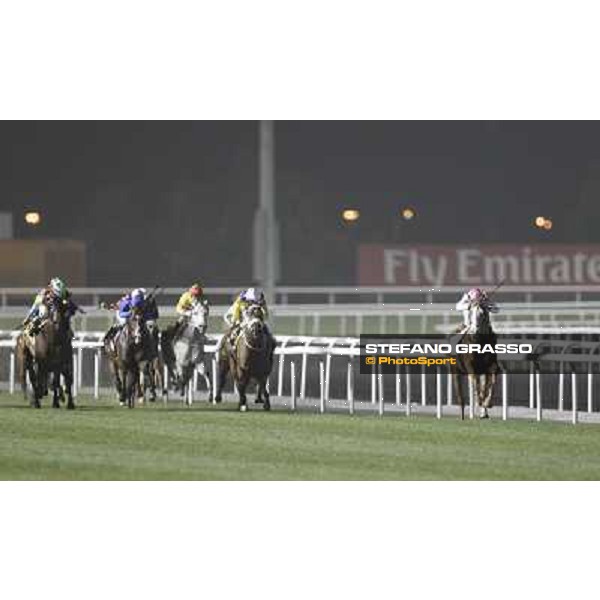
(172, 201)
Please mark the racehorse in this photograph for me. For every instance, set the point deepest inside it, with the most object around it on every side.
(481, 368)
(249, 358)
(152, 377)
(183, 349)
(48, 352)
(128, 353)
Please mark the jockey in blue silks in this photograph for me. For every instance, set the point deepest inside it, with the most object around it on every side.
(125, 308)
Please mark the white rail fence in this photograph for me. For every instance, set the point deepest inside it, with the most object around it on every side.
(334, 295)
(309, 362)
(354, 319)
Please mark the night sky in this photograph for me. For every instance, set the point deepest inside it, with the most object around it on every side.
(168, 202)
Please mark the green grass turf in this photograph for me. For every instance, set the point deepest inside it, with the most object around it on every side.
(105, 441)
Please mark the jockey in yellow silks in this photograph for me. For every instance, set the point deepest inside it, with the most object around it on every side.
(189, 300)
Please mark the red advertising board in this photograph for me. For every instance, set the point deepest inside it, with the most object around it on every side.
(439, 265)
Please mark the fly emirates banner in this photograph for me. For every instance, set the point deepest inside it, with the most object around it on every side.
(439, 265)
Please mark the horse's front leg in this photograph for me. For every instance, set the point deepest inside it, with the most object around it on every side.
(205, 374)
(33, 371)
(130, 383)
(152, 370)
(223, 367)
(458, 388)
(241, 384)
(490, 384)
(480, 384)
(262, 390)
(56, 389)
(40, 386)
(121, 385)
(68, 377)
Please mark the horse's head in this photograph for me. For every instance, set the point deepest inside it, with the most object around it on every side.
(199, 317)
(135, 327)
(480, 319)
(253, 326)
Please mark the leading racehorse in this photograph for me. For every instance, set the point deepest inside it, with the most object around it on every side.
(47, 351)
(249, 358)
(481, 368)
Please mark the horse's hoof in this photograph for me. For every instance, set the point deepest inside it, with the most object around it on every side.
(121, 403)
(484, 416)
(267, 406)
(243, 408)
(55, 405)
(36, 405)
(70, 407)
(259, 401)
(218, 400)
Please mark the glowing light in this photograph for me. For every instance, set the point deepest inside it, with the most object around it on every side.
(408, 213)
(350, 215)
(543, 223)
(33, 218)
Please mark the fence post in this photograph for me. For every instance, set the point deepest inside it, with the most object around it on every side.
(350, 386)
(531, 386)
(449, 389)
(80, 368)
(303, 372)
(504, 396)
(96, 374)
(322, 386)
(590, 404)
(438, 377)
(293, 383)
(423, 387)
(327, 373)
(281, 368)
(380, 384)
(561, 388)
(11, 383)
(75, 378)
(408, 406)
(398, 386)
(538, 391)
(574, 397)
(374, 385)
(471, 398)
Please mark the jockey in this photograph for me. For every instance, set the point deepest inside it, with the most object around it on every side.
(471, 298)
(54, 296)
(125, 308)
(189, 301)
(235, 314)
(251, 296)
